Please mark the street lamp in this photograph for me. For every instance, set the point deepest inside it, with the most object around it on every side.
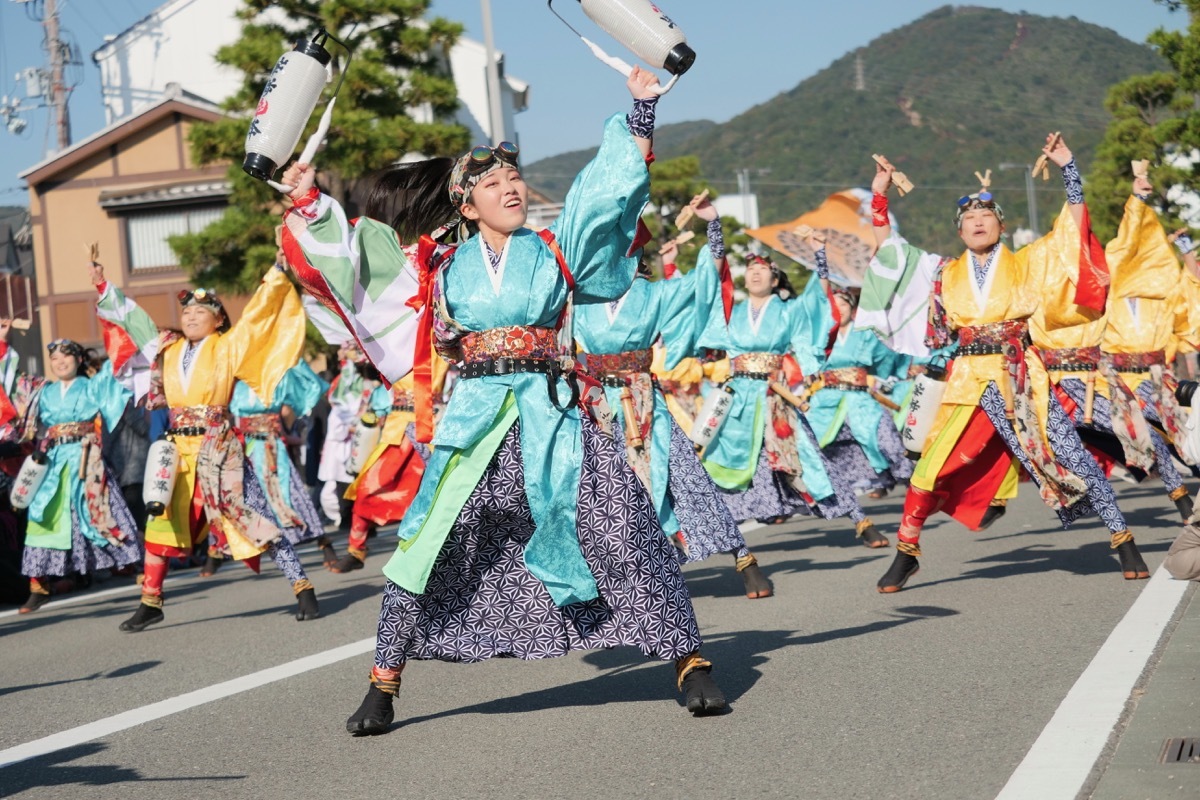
(1030, 197)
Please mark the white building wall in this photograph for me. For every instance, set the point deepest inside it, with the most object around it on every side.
(177, 43)
(742, 207)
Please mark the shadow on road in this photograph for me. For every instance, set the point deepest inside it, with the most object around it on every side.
(722, 580)
(627, 679)
(330, 602)
(116, 606)
(1094, 558)
(49, 771)
(121, 672)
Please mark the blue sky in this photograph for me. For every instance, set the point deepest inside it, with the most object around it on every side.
(747, 52)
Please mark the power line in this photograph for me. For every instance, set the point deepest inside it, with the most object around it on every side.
(109, 14)
(813, 184)
(79, 15)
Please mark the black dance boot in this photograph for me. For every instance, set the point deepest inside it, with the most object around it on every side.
(211, 565)
(375, 715)
(147, 614)
(870, 535)
(329, 555)
(992, 514)
(903, 567)
(353, 560)
(756, 583)
(1133, 567)
(306, 599)
(700, 692)
(1183, 502)
(36, 600)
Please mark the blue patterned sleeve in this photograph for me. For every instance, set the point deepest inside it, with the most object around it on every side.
(1073, 183)
(716, 240)
(822, 265)
(1184, 244)
(641, 117)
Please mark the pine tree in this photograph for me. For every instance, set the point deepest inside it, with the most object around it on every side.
(400, 63)
(1156, 117)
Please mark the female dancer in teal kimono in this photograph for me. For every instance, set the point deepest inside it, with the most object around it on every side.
(530, 535)
(765, 457)
(273, 485)
(78, 520)
(616, 341)
(857, 434)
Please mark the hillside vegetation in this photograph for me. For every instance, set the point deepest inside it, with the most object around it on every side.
(958, 90)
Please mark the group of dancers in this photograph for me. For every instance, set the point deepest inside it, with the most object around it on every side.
(556, 433)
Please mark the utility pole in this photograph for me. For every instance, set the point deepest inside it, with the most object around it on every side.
(46, 86)
(1030, 193)
(495, 112)
(58, 88)
(743, 176)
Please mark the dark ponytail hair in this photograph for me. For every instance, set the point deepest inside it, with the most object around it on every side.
(413, 198)
(784, 286)
(91, 362)
(367, 370)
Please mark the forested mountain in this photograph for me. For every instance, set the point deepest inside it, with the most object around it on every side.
(961, 89)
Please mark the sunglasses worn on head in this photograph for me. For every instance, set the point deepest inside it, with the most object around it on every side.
(186, 296)
(67, 346)
(983, 197)
(483, 157)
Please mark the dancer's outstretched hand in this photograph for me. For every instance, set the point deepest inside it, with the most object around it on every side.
(883, 177)
(302, 176)
(1056, 150)
(639, 83)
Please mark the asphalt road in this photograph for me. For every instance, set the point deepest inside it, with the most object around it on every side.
(836, 691)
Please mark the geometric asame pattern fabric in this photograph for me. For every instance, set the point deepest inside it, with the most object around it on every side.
(482, 602)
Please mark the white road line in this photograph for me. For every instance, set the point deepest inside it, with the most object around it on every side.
(131, 588)
(84, 596)
(163, 708)
(79, 598)
(1058, 764)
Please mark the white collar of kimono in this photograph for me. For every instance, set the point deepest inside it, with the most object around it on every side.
(185, 375)
(496, 276)
(989, 277)
(11, 362)
(64, 387)
(1133, 309)
(613, 308)
(254, 398)
(756, 320)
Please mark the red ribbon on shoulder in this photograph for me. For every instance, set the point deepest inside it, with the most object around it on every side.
(831, 340)
(1091, 290)
(726, 288)
(422, 303)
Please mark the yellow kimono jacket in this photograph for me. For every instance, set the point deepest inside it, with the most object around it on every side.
(1189, 340)
(689, 371)
(259, 349)
(1039, 279)
(1152, 305)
